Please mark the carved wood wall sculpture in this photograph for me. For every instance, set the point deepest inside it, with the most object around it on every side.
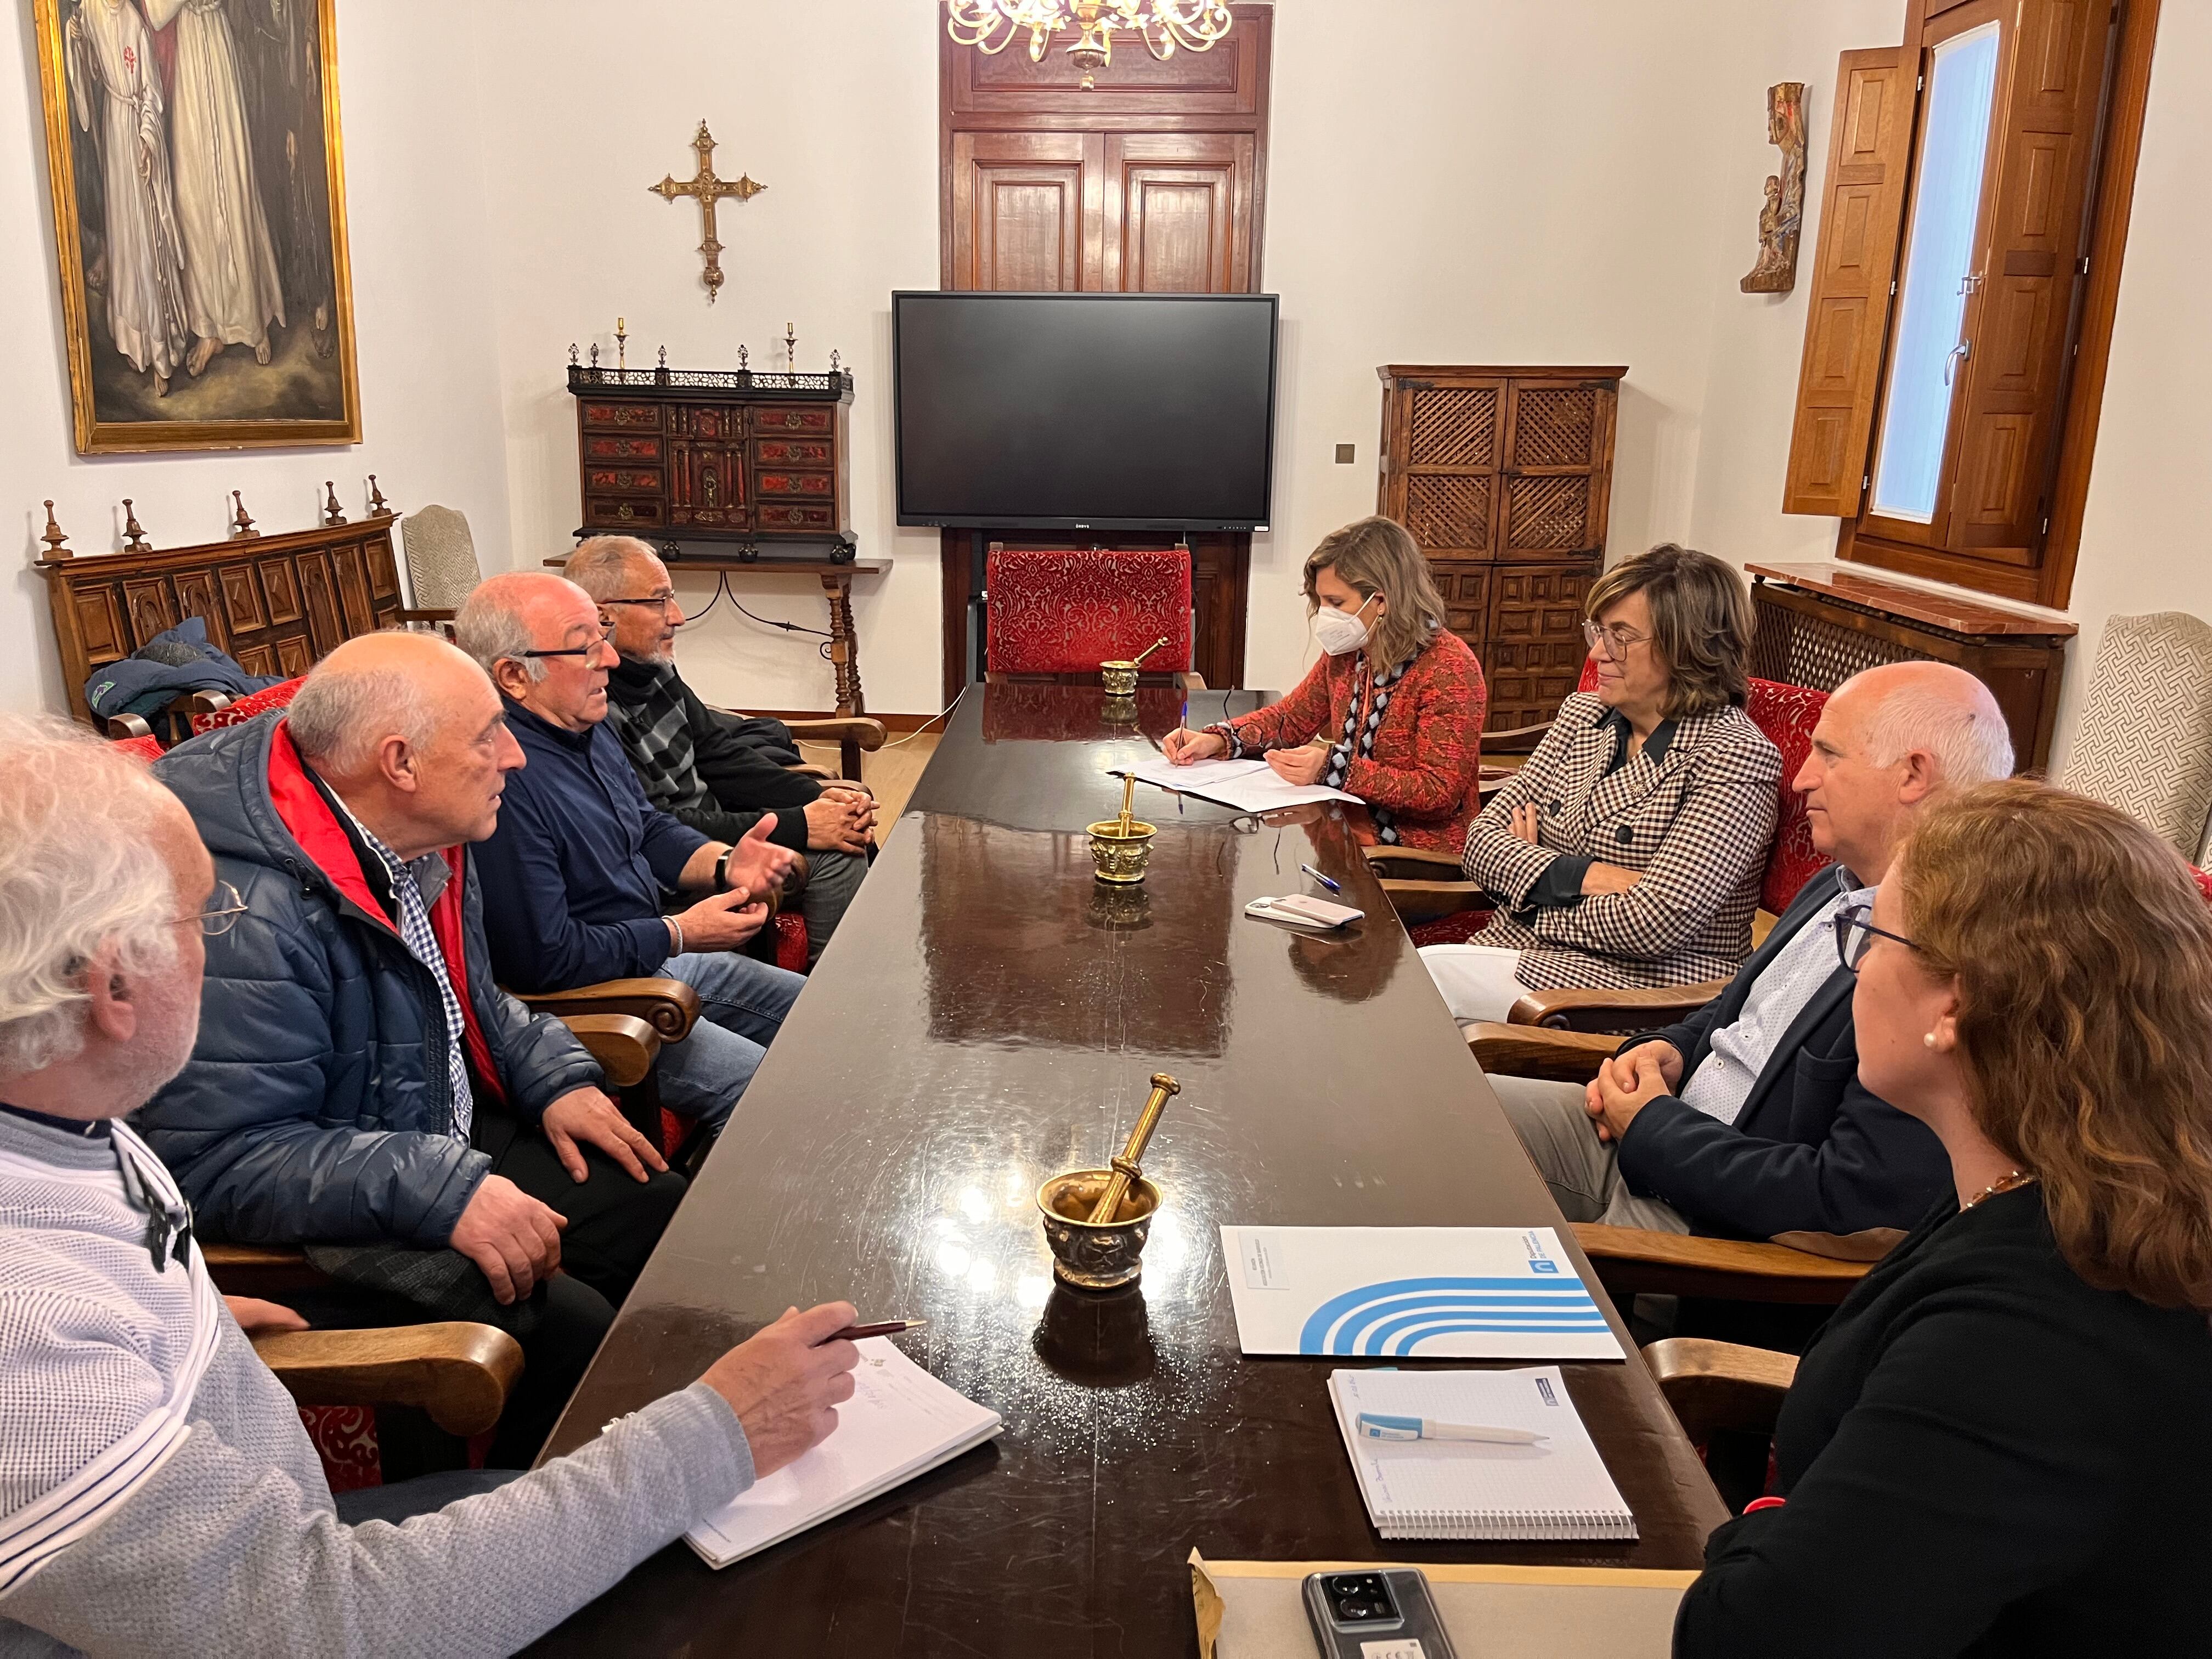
(274, 603)
(1153, 182)
(1784, 215)
(1504, 476)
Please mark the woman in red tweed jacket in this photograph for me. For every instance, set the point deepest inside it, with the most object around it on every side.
(1392, 713)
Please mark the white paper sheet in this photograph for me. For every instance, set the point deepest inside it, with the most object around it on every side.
(899, 1421)
(1439, 1292)
(1250, 786)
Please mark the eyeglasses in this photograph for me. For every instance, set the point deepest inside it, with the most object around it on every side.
(1617, 640)
(1854, 935)
(586, 651)
(224, 908)
(662, 603)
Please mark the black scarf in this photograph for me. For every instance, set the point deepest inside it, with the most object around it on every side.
(1341, 752)
(645, 701)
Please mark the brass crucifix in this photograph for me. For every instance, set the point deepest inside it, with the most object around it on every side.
(708, 190)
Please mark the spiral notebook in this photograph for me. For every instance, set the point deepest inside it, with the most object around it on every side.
(1558, 1488)
(899, 1421)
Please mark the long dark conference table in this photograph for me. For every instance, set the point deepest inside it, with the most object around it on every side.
(987, 1016)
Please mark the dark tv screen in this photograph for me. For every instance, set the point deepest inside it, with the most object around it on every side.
(1126, 412)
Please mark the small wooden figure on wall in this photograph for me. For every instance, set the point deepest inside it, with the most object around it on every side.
(1784, 215)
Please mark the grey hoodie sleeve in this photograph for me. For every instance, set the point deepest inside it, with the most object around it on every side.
(224, 1553)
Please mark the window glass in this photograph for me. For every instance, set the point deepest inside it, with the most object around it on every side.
(1932, 298)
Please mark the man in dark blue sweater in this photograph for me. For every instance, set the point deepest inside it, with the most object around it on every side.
(575, 875)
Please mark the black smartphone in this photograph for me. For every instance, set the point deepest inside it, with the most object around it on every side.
(1383, 1614)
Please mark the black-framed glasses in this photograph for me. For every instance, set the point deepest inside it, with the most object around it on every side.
(224, 908)
(662, 603)
(605, 636)
(1854, 935)
(1617, 640)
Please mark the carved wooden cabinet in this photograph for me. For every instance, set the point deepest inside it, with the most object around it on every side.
(1504, 476)
(274, 603)
(715, 455)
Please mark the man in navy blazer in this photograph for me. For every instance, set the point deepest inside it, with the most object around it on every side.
(1747, 1120)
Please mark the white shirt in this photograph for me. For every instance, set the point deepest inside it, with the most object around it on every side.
(1739, 1051)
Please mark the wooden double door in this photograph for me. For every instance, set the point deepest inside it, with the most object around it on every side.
(1103, 212)
(1152, 182)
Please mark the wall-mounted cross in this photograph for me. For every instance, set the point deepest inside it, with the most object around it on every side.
(708, 190)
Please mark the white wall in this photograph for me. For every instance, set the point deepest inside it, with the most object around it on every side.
(422, 313)
(838, 119)
(1577, 182)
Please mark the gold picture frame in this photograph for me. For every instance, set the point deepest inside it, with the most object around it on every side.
(200, 324)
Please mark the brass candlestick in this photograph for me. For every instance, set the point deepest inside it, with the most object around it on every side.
(622, 346)
(790, 350)
(1125, 1167)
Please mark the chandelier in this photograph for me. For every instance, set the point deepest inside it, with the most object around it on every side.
(1163, 24)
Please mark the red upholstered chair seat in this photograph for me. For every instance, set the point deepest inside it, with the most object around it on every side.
(256, 702)
(1064, 610)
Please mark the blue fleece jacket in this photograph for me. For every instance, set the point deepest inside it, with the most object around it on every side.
(573, 876)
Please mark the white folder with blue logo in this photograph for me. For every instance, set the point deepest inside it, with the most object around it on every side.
(1412, 1292)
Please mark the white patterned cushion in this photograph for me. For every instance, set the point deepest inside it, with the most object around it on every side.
(2145, 741)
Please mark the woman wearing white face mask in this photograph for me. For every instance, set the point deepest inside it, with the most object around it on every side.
(1393, 711)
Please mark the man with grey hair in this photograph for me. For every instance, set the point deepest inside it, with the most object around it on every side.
(691, 759)
(1747, 1120)
(361, 1084)
(583, 873)
(157, 1491)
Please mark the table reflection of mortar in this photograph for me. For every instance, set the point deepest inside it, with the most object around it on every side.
(1095, 1255)
(1119, 908)
(1121, 857)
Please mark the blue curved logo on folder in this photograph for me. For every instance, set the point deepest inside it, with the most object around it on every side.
(1395, 1317)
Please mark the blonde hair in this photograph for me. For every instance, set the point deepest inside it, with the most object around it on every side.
(1379, 555)
(1701, 623)
(2082, 950)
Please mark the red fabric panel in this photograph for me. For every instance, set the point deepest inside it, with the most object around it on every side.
(256, 702)
(2203, 882)
(147, 749)
(1458, 928)
(1788, 714)
(344, 1438)
(791, 941)
(1066, 611)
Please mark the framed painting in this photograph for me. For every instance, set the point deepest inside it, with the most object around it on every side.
(199, 221)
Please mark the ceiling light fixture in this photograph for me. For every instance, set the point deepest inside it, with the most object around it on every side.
(990, 26)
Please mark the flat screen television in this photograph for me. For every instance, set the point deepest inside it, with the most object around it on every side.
(1085, 411)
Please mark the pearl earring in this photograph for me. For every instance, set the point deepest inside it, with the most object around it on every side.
(1929, 1040)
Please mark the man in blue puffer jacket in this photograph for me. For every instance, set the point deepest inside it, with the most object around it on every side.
(360, 1085)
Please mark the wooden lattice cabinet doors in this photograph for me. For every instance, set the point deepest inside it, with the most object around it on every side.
(1505, 476)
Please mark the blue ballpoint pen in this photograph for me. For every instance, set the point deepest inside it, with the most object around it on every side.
(1375, 1426)
(1332, 886)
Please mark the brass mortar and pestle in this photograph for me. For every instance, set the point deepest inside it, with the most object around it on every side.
(1096, 1220)
(1122, 847)
(1121, 677)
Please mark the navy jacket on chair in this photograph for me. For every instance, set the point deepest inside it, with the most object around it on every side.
(1811, 1151)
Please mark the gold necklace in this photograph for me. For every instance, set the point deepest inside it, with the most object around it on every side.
(2003, 1183)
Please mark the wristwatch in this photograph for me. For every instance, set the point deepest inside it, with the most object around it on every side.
(722, 871)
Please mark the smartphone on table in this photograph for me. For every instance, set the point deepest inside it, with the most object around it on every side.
(1382, 1613)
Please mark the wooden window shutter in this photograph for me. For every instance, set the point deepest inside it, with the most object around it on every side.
(2019, 319)
(1861, 215)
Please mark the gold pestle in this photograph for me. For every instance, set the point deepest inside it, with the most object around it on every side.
(1128, 799)
(1125, 1167)
(1148, 651)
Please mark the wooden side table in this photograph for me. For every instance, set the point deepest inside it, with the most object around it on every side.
(844, 648)
(1819, 624)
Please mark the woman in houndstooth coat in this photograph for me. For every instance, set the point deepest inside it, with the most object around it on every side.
(1627, 852)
